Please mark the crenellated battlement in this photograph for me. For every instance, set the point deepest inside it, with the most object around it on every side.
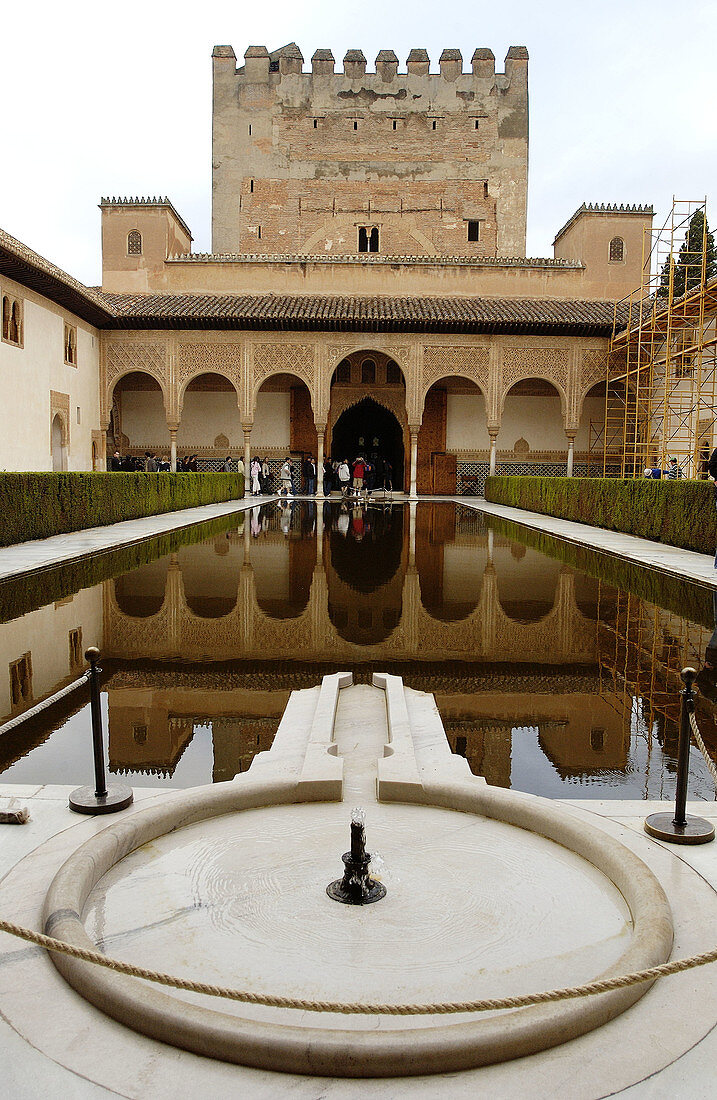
(260, 65)
(341, 159)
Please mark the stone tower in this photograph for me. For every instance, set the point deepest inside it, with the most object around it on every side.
(340, 163)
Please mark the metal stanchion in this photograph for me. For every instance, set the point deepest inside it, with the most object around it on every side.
(102, 799)
(681, 828)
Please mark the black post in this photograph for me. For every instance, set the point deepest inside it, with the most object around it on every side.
(101, 800)
(96, 713)
(679, 828)
(683, 747)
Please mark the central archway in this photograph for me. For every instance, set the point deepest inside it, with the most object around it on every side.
(371, 430)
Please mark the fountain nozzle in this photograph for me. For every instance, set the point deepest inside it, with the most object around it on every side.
(356, 887)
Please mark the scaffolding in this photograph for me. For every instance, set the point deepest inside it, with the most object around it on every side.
(661, 391)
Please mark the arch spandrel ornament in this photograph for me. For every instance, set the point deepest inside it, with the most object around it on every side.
(447, 361)
(549, 364)
(593, 369)
(193, 360)
(126, 357)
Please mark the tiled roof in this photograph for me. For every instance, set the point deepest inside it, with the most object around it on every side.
(28, 268)
(344, 313)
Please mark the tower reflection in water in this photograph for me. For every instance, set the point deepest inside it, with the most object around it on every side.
(546, 678)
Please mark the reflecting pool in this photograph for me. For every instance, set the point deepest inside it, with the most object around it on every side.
(555, 670)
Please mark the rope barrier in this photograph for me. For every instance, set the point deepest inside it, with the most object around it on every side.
(702, 747)
(603, 985)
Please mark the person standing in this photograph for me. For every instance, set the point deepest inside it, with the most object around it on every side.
(255, 472)
(227, 465)
(164, 466)
(387, 476)
(116, 462)
(359, 470)
(344, 477)
(328, 477)
(310, 473)
(673, 472)
(285, 477)
(264, 479)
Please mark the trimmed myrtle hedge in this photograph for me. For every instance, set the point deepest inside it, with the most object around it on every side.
(679, 513)
(37, 505)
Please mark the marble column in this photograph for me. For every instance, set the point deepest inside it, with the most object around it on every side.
(173, 449)
(493, 438)
(571, 447)
(320, 433)
(247, 461)
(413, 431)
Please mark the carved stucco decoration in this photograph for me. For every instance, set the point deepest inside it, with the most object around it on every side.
(124, 357)
(445, 361)
(295, 359)
(550, 364)
(593, 369)
(195, 359)
(343, 398)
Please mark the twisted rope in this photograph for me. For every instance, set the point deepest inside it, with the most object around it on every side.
(703, 749)
(604, 985)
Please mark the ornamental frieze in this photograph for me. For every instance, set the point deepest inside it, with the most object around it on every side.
(123, 358)
(196, 359)
(283, 359)
(450, 361)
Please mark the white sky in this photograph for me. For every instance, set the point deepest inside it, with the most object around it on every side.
(116, 99)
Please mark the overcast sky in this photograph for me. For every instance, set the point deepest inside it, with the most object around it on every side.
(116, 100)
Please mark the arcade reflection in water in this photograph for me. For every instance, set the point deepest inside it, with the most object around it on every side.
(545, 678)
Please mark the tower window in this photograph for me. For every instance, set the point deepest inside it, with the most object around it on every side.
(258, 232)
(368, 238)
(251, 187)
(250, 129)
(134, 243)
(355, 125)
(475, 124)
(617, 250)
(395, 124)
(473, 231)
(316, 123)
(21, 680)
(434, 125)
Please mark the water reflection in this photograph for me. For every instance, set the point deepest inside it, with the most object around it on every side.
(546, 678)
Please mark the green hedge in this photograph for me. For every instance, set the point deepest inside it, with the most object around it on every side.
(37, 505)
(680, 513)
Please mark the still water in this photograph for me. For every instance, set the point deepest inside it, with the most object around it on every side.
(555, 670)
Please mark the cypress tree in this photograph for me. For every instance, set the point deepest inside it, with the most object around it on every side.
(698, 243)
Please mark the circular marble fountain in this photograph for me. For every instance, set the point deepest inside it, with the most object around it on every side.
(489, 893)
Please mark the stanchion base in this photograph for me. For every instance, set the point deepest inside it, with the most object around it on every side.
(85, 801)
(695, 831)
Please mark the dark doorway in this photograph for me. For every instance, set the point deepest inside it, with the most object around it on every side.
(370, 430)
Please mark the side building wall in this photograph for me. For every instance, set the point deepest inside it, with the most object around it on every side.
(41, 387)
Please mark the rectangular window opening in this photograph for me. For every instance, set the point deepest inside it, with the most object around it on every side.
(355, 125)
(316, 123)
(251, 187)
(473, 231)
(258, 232)
(250, 129)
(434, 125)
(475, 124)
(395, 124)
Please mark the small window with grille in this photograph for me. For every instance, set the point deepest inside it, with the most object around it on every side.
(617, 250)
(134, 243)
